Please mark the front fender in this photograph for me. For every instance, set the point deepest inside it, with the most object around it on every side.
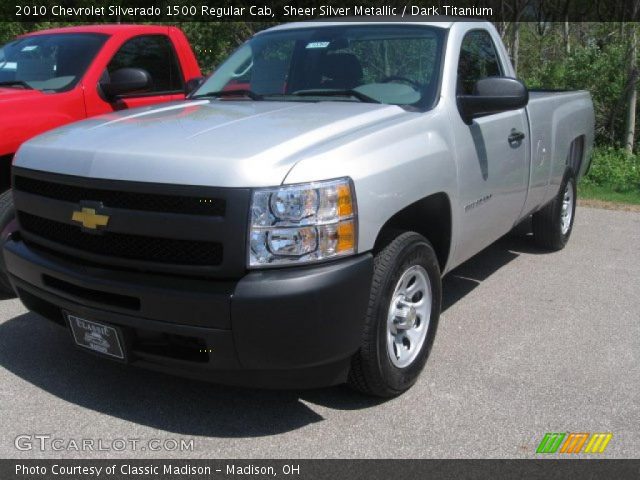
(392, 166)
(26, 117)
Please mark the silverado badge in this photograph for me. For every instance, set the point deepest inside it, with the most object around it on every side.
(89, 219)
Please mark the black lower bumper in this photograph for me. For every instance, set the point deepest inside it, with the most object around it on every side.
(290, 327)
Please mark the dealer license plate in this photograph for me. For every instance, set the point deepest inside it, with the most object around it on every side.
(97, 337)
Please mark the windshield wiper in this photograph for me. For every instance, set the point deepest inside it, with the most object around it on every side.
(336, 93)
(230, 93)
(16, 83)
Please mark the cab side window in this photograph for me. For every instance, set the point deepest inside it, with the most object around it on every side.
(478, 59)
(155, 54)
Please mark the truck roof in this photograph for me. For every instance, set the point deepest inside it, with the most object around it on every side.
(439, 21)
(108, 29)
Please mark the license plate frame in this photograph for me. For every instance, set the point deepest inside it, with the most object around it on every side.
(100, 338)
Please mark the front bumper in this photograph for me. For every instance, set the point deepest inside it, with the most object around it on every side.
(289, 327)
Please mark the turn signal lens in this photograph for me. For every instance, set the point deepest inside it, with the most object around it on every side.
(345, 203)
(346, 237)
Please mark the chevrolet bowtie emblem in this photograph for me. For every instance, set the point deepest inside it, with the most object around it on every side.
(89, 218)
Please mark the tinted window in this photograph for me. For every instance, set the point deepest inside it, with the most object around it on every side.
(270, 66)
(478, 59)
(155, 54)
(51, 62)
(397, 65)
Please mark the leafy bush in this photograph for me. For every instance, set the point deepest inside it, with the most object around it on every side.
(615, 169)
(597, 63)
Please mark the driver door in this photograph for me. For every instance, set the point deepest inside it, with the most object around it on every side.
(153, 53)
(493, 171)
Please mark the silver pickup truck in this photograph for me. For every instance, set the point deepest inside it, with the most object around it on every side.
(290, 223)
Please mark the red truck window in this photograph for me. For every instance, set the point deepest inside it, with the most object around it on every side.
(54, 62)
(155, 54)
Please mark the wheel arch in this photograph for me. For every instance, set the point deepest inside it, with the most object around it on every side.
(430, 217)
(575, 156)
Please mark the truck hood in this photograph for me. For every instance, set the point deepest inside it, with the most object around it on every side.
(17, 94)
(206, 142)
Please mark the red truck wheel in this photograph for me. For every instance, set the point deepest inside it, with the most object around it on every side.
(7, 213)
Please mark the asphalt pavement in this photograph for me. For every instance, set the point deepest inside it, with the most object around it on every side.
(529, 343)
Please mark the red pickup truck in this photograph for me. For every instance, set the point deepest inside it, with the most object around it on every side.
(54, 77)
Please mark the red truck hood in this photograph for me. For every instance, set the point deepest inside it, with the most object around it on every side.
(17, 94)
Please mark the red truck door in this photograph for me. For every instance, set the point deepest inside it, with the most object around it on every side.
(154, 53)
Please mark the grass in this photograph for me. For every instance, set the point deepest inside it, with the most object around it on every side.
(613, 180)
(606, 194)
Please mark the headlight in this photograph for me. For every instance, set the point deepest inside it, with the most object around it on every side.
(303, 223)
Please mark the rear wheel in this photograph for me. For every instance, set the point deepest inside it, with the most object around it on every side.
(7, 214)
(552, 225)
(402, 317)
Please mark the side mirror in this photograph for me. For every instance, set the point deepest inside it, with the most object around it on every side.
(193, 84)
(126, 80)
(493, 95)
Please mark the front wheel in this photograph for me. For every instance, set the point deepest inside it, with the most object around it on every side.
(402, 317)
(552, 225)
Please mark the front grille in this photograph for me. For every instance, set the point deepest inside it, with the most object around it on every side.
(133, 247)
(189, 205)
(186, 230)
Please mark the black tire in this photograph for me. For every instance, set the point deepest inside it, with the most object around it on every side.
(7, 214)
(547, 222)
(372, 370)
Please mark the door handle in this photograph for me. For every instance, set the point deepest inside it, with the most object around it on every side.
(515, 136)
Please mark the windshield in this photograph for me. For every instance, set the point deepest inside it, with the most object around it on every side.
(391, 64)
(53, 62)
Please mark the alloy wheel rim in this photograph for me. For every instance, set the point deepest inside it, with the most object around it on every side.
(566, 213)
(409, 316)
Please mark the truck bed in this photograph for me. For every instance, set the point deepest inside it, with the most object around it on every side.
(556, 117)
